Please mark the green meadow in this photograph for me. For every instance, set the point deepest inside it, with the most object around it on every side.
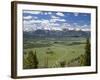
(54, 52)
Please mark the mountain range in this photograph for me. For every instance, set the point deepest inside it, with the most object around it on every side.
(40, 33)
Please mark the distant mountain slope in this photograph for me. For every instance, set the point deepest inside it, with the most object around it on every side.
(56, 33)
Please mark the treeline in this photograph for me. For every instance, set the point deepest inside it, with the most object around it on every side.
(36, 45)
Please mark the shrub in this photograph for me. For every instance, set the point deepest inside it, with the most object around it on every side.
(63, 63)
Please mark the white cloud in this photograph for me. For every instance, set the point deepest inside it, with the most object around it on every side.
(66, 25)
(35, 21)
(55, 20)
(77, 29)
(45, 13)
(54, 24)
(28, 27)
(39, 24)
(42, 24)
(76, 14)
(50, 13)
(56, 28)
(31, 25)
(86, 30)
(26, 22)
(55, 17)
(27, 17)
(35, 24)
(44, 21)
(63, 20)
(59, 14)
(34, 17)
(86, 26)
(51, 26)
(32, 12)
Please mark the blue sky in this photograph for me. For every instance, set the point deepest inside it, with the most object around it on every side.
(33, 20)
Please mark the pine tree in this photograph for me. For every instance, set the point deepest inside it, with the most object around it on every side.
(32, 61)
(87, 53)
(24, 60)
(35, 61)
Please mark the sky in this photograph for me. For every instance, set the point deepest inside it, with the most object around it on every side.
(53, 20)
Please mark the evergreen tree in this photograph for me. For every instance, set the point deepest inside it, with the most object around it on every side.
(87, 53)
(24, 60)
(32, 61)
(35, 61)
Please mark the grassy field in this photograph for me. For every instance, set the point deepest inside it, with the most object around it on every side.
(50, 51)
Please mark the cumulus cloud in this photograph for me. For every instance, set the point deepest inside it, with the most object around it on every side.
(45, 13)
(55, 20)
(51, 21)
(54, 24)
(59, 14)
(35, 17)
(27, 17)
(40, 24)
(44, 24)
(55, 17)
(85, 26)
(26, 22)
(35, 21)
(66, 25)
(45, 21)
(32, 12)
(62, 20)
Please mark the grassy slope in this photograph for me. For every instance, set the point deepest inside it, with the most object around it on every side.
(61, 52)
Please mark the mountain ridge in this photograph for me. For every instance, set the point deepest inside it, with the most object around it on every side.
(56, 33)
